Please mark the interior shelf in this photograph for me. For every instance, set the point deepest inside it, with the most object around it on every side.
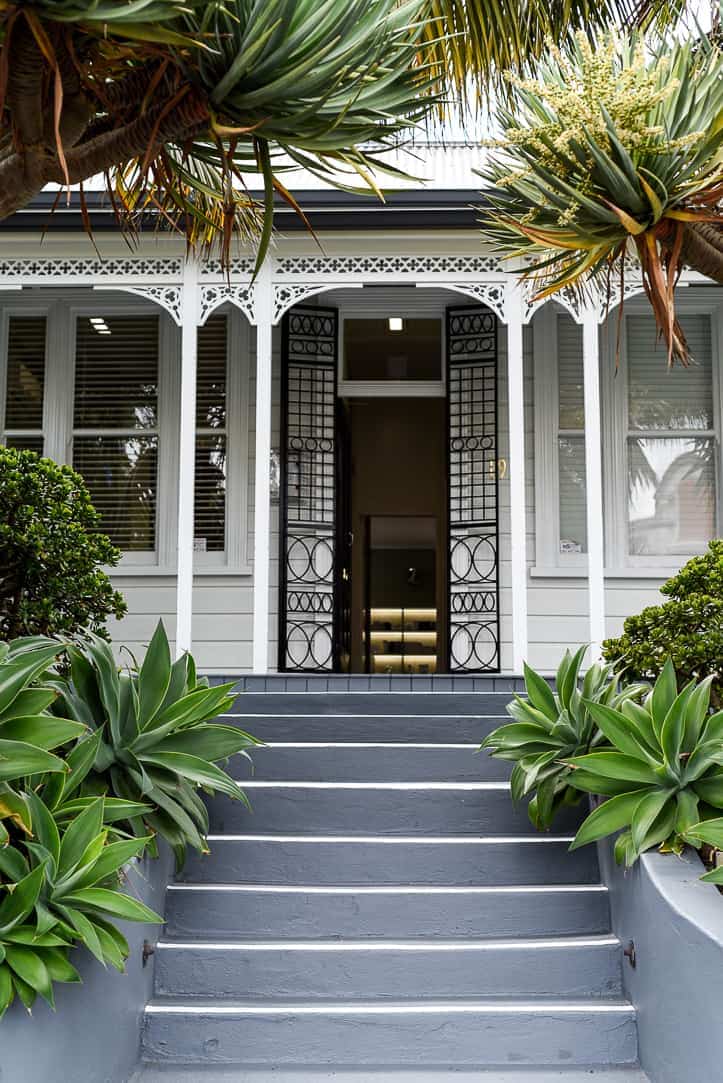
(402, 640)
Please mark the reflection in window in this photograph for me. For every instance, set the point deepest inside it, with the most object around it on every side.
(571, 437)
(671, 495)
(25, 383)
(211, 392)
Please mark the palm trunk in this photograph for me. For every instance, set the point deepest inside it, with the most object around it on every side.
(702, 249)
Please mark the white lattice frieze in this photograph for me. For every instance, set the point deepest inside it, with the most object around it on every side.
(243, 297)
(572, 300)
(168, 297)
(214, 268)
(287, 295)
(66, 272)
(491, 294)
(371, 266)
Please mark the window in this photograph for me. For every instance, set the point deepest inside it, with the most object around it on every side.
(115, 424)
(661, 443)
(571, 438)
(25, 383)
(671, 444)
(211, 437)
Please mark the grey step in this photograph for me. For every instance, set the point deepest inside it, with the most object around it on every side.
(373, 970)
(375, 682)
(313, 912)
(156, 1073)
(367, 762)
(357, 808)
(432, 1034)
(441, 704)
(308, 722)
(303, 859)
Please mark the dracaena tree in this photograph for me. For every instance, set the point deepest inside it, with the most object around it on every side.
(178, 103)
(610, 156)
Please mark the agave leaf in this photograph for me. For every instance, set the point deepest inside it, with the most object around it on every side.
(609, 817)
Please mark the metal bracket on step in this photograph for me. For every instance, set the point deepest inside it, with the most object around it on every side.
(148, 950)
(629, 954)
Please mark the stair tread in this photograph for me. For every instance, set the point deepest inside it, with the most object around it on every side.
(151, 1073)
(381, 944)
(498, 1005)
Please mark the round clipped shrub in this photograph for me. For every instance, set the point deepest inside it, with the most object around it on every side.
(688, 628)
(51, 553)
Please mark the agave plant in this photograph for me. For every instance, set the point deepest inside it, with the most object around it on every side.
(613, 154)
(28, 731)
(153, 741)
(60, 887)
(663, 771)
(709, 832)
(549, 727)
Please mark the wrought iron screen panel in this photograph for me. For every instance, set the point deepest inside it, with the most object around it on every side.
(308, 491)
(474, 632)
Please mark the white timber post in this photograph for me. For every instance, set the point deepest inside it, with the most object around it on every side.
(262, 492)
(593, 479)
(190, 310)
(518, 517)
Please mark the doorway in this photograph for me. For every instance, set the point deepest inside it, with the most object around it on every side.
(398, 529)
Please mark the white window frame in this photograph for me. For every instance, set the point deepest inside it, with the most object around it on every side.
(619, 563)
(9, 311)
(61, 312)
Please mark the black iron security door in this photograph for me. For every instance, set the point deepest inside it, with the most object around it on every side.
(308, 605)
(473, 585)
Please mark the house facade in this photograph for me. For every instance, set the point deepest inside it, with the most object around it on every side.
(379, 455)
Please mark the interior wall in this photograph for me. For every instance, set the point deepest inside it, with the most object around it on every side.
(398, 468)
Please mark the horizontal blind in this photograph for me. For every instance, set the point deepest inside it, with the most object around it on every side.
(570, 373)
(211, 436)
(669, 398)
(25, 386)
(570, 447)
(115, 442)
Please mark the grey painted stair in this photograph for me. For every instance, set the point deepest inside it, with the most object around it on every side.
(385, 908)
(152, 1073)
(355, 860)
(248, 911)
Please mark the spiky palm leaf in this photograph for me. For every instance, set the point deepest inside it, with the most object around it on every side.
(179, 103)
(610, 153)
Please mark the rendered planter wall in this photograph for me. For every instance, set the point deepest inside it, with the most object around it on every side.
(93, 1036)
(676, 924)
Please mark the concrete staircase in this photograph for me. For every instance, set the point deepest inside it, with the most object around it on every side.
(385, 909)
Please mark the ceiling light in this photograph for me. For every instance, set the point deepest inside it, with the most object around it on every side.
(396, 323)
(97, 319)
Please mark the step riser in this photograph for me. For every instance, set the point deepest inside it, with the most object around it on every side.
(370, 765)
(284, 974)
(541, 1037)
(288, 725)
(381, 703)
(216, 913)
(347, 863)
(334, 811)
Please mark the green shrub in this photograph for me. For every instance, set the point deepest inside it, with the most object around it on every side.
(662, 769)
(51, 555)
(688, 628)
(550, 727)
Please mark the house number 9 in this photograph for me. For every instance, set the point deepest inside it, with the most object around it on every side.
(500, 467)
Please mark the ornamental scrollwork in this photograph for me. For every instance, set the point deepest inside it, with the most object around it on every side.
(393, 265)
(214, 295)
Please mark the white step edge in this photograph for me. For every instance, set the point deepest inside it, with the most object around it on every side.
(425, 746)
(347, 714)
(289, 784)
(395, 840)
(498, 1007)
(381, 946)
(396, 889)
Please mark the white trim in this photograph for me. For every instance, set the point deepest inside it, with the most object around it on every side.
(382, 946)
(518, 499)
(593, 481)
(398, 889)
(541, 1007)
(187, 456)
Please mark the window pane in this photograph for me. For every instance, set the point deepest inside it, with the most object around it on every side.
(671, 495)
(663, 398)
(373, 351)
(25, 443)
(211, 378)
(116, 373)
(569, 360)
(210, 503)
(26, 372)
(121, 474)
(573, 521)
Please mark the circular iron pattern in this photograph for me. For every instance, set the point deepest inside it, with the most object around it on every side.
(308, 645)
(310, 559)
(473, 646)
(472, 559)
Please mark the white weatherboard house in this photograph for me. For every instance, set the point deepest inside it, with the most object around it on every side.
(378, 456)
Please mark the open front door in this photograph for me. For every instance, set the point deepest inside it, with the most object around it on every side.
(308, 603)
(473, 595)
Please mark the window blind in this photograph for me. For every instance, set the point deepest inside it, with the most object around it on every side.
(570, 445)
(115, 414)
(671, 447)
(25, 383)
(211, 436)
